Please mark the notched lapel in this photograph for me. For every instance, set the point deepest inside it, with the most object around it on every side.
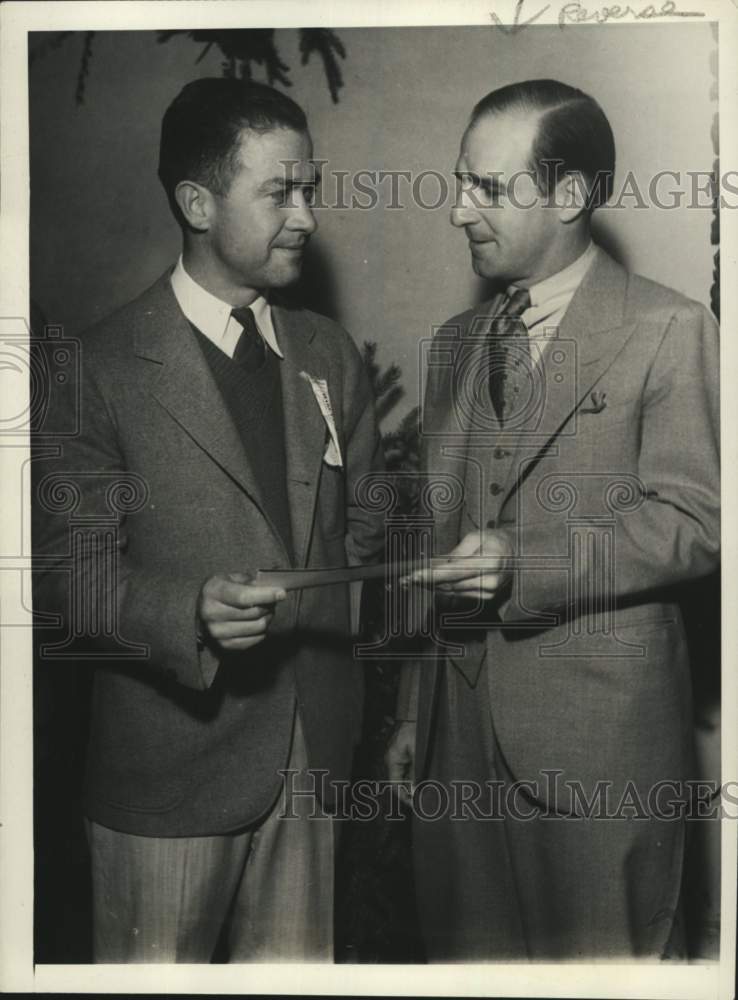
(591, 335)
(186, 388)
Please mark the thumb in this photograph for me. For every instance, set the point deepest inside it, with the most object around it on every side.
(468, 546)
(246, 577)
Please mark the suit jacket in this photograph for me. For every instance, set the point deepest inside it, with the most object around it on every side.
(610, 497)
(183, 742)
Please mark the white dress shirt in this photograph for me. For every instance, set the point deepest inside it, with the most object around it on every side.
(212, 316)
(550, 298)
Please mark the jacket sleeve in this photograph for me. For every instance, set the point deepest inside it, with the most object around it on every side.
(92, 585)
(673, 535)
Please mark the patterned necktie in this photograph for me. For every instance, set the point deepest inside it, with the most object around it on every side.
(507, 363)
(250, 350)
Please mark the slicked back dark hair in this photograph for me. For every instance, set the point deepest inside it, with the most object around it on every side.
(573, 134)
(201, 130)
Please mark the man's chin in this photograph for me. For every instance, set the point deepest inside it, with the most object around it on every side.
(483, 268)
(286, 274)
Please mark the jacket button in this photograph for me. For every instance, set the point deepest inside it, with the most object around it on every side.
(495, 489)
(500, 453)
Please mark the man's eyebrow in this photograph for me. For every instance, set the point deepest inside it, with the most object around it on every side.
(280, 182)
(489, 182)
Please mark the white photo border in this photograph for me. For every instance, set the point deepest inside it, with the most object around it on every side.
(17, 971)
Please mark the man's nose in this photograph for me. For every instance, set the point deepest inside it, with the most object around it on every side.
(464, 211)
(302, 219)
(463, 215)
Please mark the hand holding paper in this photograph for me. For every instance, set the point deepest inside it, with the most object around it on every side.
(479, 566)
(234, 611)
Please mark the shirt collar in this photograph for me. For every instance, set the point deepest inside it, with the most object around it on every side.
(560, 287)
(212, 316)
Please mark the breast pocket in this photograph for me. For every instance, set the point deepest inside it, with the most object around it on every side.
(610, 435)
(610, 403)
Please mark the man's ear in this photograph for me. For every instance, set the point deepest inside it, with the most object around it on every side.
(195, 203)
(572, 195)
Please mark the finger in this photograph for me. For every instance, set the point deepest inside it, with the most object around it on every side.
(450, 574)
(470, 596)
(426, 577)
(456, 573)
(469, 545)
(236, 630)
(489, 583)
(214, 611)
(239, 595)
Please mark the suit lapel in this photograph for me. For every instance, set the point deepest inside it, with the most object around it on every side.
(304, 427)
(593, 326)
(591, 335)
(185, 386)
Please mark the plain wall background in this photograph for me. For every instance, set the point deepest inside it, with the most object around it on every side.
(100, 226)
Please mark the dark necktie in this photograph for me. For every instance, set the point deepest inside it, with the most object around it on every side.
(508, 356)
(250, 350)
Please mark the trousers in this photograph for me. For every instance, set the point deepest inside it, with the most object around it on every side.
(499, 878)
(167, 899)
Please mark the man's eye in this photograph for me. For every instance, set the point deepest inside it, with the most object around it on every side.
(290, 199)
(480, 191)
(490, 190)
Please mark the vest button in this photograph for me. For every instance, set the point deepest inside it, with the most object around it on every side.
(491, 523)
(500, 453)
(495, 489)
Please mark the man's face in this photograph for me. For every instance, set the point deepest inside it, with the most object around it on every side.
(498, 204)
(259, 229)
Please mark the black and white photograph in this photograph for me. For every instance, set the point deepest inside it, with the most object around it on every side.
(366, 424)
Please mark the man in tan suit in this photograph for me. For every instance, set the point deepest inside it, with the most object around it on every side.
(578, 411)
(221, 432)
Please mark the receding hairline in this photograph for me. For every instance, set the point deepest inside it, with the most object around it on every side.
(530, 112)
(531, 115)
(524, 107)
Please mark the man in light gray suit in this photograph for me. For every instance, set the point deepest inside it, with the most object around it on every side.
(240, 427)
(578, 411)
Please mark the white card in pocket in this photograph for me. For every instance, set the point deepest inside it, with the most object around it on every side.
(332, 455)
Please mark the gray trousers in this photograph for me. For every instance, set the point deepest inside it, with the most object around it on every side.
(166, 899)
(510, 885)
